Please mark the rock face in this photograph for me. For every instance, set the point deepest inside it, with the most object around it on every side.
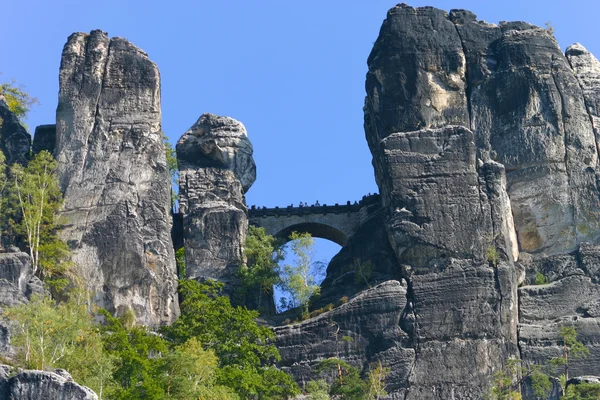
(44, 139)
(35, 385)
(485, 147)
(17, 282)
(512, 86)
(114, 175)
(14, 138)
(216, 169)
(17, 285)
(371, 320)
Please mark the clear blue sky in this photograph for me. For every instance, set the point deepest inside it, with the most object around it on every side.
(292, 71)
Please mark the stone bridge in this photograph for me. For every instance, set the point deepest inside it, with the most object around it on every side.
(333, 222)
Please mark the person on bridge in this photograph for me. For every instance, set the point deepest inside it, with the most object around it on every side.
(317, 203)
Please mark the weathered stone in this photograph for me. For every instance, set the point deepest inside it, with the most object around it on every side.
(35, 385)
(364, 330)
(440, 204)
(218, 142)
(114, 175)
(370, 247)
(528, 113)
(17, 282)
(44, 139)
(216, 168)
(14, 138)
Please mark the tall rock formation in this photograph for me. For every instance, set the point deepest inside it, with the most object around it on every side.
(485, 146)
(216, 169)
(114, 175)
(516, 180)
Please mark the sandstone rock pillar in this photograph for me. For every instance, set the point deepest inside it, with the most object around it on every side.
(216, 169)
(114, 175)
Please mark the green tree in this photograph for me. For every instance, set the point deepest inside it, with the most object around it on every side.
(582, 391)
(19, 102)
(246, 355)
(60, 335)
(3, 182)
(362, 271)
(572, 349)
(376, 381)
(259, 275)
(36, 192)
(298, 278)
(317, 390)
(507, 382)
(346, 382)
(180, 262)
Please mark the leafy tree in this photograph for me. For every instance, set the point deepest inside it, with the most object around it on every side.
(362, 271)
(60, 335)
(3, 181)
(260, 273)
(18, 101)
(376, 381)
(243, 348)
(346, 381)
(582, 391)
(317, 390)
(35, 192)
(572, 348)
(506, 384)
(298, 278)
(180, 262)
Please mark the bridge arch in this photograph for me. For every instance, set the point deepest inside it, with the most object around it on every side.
(336, 223)
(318, 230)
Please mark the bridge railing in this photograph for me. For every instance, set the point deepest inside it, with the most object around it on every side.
(349, 207)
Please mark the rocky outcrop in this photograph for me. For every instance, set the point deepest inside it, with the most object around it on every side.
(484, 153)
(17, 282)
(366, 329)
(44, 138)
(35, 385)
(15, 141)
(114, 175)
(17, 285)
(512, 86)
(216, 168)
(571, 297)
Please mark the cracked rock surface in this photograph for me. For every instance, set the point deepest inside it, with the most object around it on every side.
(216, 169)
(114, 175)
(484, 140)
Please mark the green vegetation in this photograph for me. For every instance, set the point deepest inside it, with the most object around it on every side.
(260, 273)
(346, 382)
(298, 278)
(31, 198)
(243, 348)
(540, 279)
(492, 256)
(583, 391)
(572, 349)
(18, 101)
(48, 334)
(506, 384)
(180, 262)
(362, 271)
(213, 351)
